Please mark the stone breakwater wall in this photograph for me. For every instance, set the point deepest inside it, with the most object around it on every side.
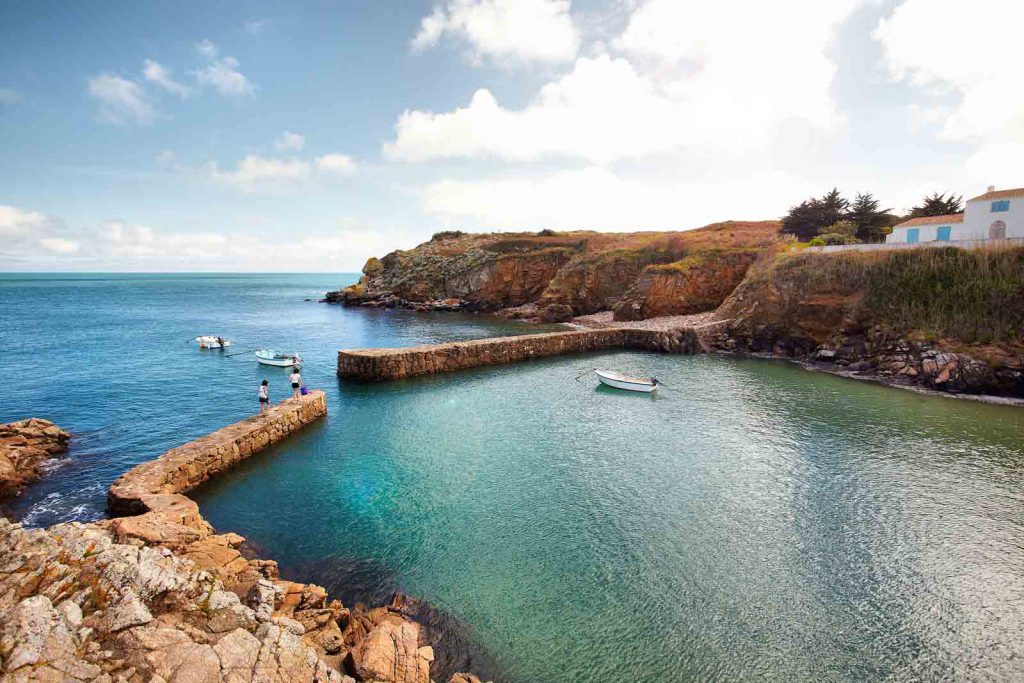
(375, 365)
(185, 467)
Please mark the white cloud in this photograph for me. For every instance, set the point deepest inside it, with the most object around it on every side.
(255, 172)
(221, 73)
(15, 222)
(504, 31)
(59, 245)
(207, 49)
(154, 72)
(599, 199)
(290, 140)
(9, 96)
(341, 164)
(971, 58)
(681, 83)
(166, 158)
(255, 27)
(121, 101)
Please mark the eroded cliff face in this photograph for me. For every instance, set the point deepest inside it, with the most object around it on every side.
(948, 319)
(555, 275)
(697, 283)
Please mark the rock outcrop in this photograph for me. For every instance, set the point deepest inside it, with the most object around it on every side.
(697, 283)
(945, 319)
(160, 596)
(24, 447)
(547, 276)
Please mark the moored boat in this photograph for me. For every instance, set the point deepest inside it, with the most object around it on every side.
(279, 360)
(620, 381)
(212, 341)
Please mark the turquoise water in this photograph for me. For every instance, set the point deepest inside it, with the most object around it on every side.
(756, 522)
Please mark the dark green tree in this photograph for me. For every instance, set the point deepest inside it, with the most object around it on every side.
(938, 205)
(807, 218)
(833, 207)
(872, 224)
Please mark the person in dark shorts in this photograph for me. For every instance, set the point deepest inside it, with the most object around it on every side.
(296, 379)
(264, 397)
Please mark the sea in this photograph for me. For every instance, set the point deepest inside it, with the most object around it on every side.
(750, 521)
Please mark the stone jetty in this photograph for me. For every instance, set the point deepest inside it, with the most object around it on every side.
(160, 596)
(375, 365)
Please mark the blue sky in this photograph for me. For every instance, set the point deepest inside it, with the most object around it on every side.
(256, 136)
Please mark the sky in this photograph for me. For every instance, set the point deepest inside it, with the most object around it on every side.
(308, 136)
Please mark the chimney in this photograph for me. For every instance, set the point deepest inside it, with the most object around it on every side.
(991, 188)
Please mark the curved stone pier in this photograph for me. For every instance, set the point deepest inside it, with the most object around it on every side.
(185, 467)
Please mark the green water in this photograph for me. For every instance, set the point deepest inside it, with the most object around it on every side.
(757, 522)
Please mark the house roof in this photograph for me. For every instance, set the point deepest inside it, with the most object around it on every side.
(932, 220)
(999, 194)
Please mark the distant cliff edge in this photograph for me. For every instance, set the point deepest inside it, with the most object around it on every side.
(555, 276)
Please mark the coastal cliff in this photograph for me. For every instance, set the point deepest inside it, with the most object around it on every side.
(944, 318)
(550, 276)
(948, 319)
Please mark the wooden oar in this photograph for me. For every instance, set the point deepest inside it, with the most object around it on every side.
(238, 353)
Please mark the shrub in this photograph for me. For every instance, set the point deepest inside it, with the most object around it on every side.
(843, 227)
(830, 238)
(546, 233)
(446, 235)
(817, 242)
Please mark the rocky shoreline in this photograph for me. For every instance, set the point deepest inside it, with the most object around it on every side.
(160, 596)
(25, 446)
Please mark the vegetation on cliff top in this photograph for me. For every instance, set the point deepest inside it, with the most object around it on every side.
(975, 296)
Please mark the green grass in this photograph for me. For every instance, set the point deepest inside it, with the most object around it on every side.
(974, 295)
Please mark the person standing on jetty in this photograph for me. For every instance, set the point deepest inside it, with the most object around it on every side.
(264, 397)
(296, 379)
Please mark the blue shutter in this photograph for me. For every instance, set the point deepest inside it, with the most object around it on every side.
(944, 233)
(1003, 205)
(913, 234)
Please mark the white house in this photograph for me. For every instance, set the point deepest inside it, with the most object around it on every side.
(995, 215)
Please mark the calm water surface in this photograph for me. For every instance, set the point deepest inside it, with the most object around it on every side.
(757, 522)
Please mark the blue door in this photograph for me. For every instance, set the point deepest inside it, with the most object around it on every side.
(913, 234)
(944, 233)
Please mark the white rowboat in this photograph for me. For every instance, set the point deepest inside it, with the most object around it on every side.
(280, 360)
(620, 381)
(212, 341)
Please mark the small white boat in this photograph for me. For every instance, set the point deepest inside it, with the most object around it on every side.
(279, 360)
(620, 381)
(212, 341)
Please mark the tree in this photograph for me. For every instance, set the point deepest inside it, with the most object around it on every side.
(833, 207)
(806, 219)
(938, 205)
(803, 220)
(872, 225)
